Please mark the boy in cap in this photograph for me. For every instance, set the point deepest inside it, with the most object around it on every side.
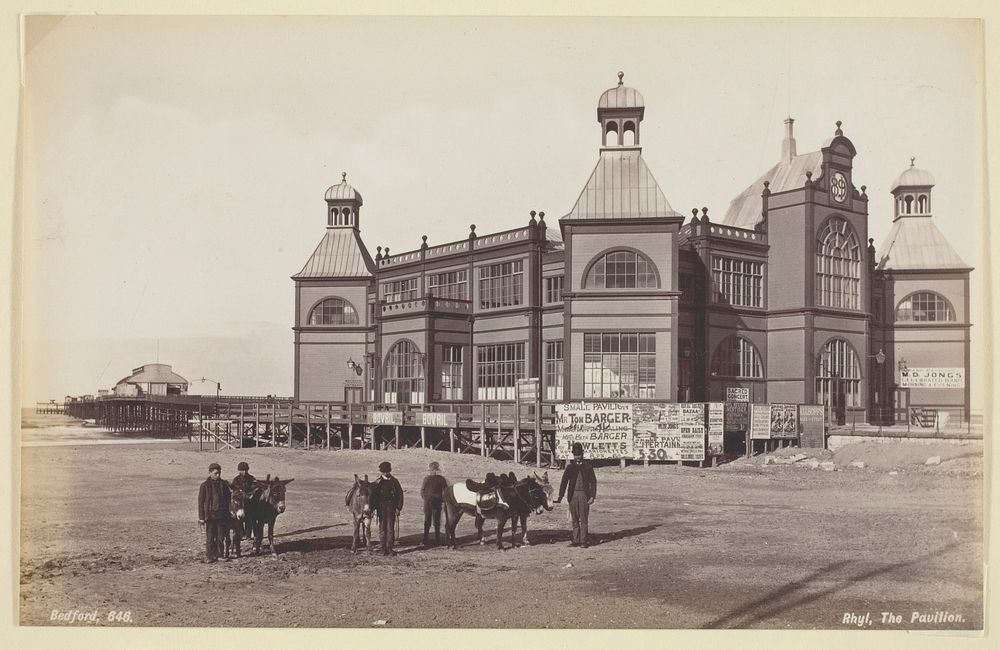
(432, 492)
(244, 483)
(213, 512)
(387, 502)
(582, 483)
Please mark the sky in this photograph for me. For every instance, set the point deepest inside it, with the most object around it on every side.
(174, 168)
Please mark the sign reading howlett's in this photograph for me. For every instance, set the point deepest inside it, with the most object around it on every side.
(603, 428)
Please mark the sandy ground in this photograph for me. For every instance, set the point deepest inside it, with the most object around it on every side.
(111, 528)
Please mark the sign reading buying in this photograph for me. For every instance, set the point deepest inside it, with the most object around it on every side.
(932, 378)
(603, 428)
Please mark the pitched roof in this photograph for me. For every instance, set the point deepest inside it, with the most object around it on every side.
(154, 373)
(745, 210)
(915, 243)
(621, 187)
(339, 255)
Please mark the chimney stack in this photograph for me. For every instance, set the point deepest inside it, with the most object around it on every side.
(788, 144)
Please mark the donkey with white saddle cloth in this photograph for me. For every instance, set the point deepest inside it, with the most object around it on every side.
(501, 499)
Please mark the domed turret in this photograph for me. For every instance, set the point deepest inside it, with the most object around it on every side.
(619, 111)
(343, 204)
(912, 191)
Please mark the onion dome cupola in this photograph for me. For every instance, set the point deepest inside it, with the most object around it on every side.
(343, 205)
(621, 185)
(912, 192)
(619, 112)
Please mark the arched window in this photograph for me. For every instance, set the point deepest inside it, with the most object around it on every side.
(334, 215)
(611, 134)
(403, 377)
(628, 134)
(333, 311)
(838, 374)
(838, 266)
(925, 307)
(922, 204)
(621, 270)
(737, 357)
(909, 204)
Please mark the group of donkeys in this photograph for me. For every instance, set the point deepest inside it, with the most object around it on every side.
(503, 498)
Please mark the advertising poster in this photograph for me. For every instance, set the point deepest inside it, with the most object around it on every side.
(716, 428)
(737, 394)
(812, 425)
(737, 416)
(932, 378)
(669, 432)
(760, 422)
(784, 421)
(603, 428)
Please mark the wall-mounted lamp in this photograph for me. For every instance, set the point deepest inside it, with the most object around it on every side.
(354, 365)
(879, 357)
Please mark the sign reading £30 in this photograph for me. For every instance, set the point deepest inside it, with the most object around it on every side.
(932, 378)
(603, 428)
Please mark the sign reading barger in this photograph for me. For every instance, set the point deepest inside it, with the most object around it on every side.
(603, 428)
(932, 378)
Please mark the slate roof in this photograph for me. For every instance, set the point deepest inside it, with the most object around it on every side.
(621, 187)
(340, 254)
(745, 210)
(915, 243)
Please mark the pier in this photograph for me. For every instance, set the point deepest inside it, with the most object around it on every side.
(500, 430)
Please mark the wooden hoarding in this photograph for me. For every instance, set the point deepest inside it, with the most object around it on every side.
(812, 425)
(603, 428)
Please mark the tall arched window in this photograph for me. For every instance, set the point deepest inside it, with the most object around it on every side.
(838, 374)
(403, 378)
(628, 134)
(611, 134)
(838, 266)
(621, 270)
(333, 311)
(925, 307)
(737, 357)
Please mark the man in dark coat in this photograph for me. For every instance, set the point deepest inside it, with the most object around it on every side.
(432, 492)
(582, 483)
(213, 512)
(244, 483)
(387, 503)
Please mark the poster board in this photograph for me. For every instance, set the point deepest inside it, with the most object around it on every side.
(737, 417)
(716, 428)
(669, 431)
(812, 425)
(760, 422)
(784, 421)
(603, 428)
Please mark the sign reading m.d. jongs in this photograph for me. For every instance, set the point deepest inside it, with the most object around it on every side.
(603, 428)
(932, 378)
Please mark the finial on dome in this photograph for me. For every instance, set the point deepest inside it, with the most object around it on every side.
(621, 75)
(913, 159)
(839, 131)
(343, 177)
